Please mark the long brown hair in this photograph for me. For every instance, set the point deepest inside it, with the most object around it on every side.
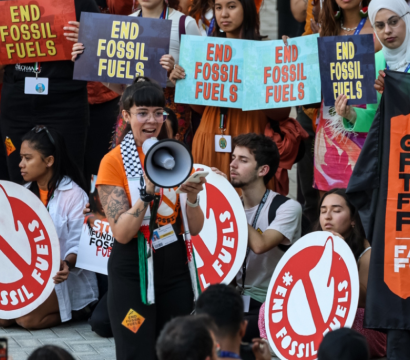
(329, 25)
(199, 9)
(356, 237)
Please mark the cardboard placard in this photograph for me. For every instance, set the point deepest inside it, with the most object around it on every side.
(29, 251)
(347, 66)
(220, 247)
(33, 31)
(314, 289)
(214, 71)
(280, 76)
(119, 48)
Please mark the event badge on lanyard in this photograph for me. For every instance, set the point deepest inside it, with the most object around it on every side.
(246, 298)
(223, 142)
(163, 236)
(36, 86)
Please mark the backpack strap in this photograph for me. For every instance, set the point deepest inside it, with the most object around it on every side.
(182, 30)
(277, 201)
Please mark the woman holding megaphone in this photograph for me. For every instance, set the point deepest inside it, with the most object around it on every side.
(146, 288)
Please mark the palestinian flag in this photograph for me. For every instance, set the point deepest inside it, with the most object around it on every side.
(380, 189)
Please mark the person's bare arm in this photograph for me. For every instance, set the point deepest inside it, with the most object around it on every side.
(298, 8)
(261, 243)
(364, 264)
(125, 222)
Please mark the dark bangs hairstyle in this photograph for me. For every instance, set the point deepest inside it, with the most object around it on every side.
(356, 237)
(142, 92)
(329, 25)
(64, 165)
(250, 25)
(263, 149)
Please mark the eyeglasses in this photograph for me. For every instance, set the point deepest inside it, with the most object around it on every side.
(392, 22)
(40, 128)
(143, 116)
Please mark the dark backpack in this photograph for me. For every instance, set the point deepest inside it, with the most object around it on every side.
(277, 201)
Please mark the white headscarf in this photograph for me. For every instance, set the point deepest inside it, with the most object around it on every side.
(397, 59)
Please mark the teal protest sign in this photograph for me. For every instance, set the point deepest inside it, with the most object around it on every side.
(278, 76)
(213, 68)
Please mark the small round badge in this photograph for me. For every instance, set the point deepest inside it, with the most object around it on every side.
(222, 143)
(40, 88)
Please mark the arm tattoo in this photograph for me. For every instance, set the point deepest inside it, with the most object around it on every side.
(137, 212)
(114, 201)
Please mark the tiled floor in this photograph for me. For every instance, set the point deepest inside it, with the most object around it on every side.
(75, 337)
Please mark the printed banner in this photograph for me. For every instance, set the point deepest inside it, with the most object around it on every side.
(397, 230)
(278, 76)
(119, 48)
(380, 189)
(220, 247)
(314, 289)
(96, 238)
(214, 71)
(29, 251)
(347, 66)
(33, 31)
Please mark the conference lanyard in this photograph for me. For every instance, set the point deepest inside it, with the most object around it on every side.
(37, 69)
(255, 221)
(228, 354)
(211, 27)
(222, 120)
(360, 26)
(164, 14)
(405, 70)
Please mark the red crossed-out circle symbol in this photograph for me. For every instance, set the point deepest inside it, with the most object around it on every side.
(29, 251)
(314, 290)
(220, 248)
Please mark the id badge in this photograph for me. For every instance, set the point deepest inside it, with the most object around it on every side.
(223, 143)
(246, 303)
(163, 236)
(36, 86)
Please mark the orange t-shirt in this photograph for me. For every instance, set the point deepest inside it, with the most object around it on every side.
(43, 196)
(112, 171)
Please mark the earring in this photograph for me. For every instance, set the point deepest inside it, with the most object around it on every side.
(338, 14)
(363, 11)
(220, 30)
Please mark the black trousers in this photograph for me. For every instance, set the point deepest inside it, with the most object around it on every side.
(398, 344)
(67, 113)
(252, 331)
(102, 122)
(173, 296)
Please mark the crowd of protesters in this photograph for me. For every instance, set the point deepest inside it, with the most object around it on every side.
(56, 144)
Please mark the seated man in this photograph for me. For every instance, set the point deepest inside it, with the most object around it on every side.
(187, 337)
(225, 307)
(274, 221)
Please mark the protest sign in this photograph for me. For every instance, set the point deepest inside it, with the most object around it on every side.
(29, 251)
(347, 66)
(220, 247)
(278, 76)
(119, 48)
(33, 31)
(314, 289)
(214, 71)
(96, 238)
(380, 189)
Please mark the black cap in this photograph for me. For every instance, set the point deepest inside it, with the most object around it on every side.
(344, 344)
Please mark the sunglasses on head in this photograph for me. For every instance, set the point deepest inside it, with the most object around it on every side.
(39, 128)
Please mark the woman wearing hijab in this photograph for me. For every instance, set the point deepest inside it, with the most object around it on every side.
(391, 23)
